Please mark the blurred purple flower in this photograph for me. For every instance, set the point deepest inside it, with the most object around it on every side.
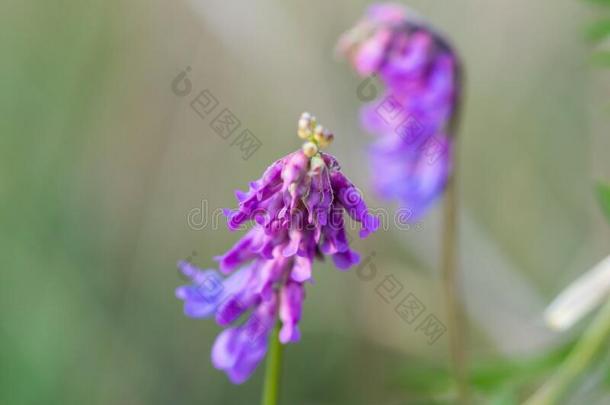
(412, 158)
(297, 210)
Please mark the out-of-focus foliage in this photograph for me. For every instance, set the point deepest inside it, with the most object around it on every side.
(501, 381)
(603, 194)
(598, 32)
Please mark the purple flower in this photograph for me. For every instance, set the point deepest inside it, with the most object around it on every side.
(411, 158)
(297, 210)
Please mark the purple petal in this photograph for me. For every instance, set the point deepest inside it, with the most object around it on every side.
(301, 271)
(290, 312)
(345, 260)
(225, 351)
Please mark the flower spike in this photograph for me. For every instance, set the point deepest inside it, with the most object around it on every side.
(297, 210)
(414, 119)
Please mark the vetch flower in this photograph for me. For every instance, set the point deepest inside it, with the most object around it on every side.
(297, 210)
(412, 156)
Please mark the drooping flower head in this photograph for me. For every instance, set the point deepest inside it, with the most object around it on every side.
(296, 209)
(411, 158)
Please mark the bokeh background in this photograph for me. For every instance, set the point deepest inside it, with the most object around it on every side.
(101, 164)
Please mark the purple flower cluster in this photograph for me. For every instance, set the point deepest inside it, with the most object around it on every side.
(411, 159)
(297, 212)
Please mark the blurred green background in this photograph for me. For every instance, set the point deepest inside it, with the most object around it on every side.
(101, 164)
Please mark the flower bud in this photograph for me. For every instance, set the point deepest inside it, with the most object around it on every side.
(303, 123)
(304, 133)
(310, 149)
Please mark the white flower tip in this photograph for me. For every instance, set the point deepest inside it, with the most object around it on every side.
(579, 298)
(557, 321)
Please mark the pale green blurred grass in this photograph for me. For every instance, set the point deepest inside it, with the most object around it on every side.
(101, 164)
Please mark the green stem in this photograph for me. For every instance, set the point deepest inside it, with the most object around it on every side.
(449, 268)
(271, 388)
(450, 289)
(592, 341)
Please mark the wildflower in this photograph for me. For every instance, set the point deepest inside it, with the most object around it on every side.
(411, 158)
(297, 210)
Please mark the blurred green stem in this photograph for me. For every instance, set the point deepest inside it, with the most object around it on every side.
(271, 388)
(593, 339)
(450, 288)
